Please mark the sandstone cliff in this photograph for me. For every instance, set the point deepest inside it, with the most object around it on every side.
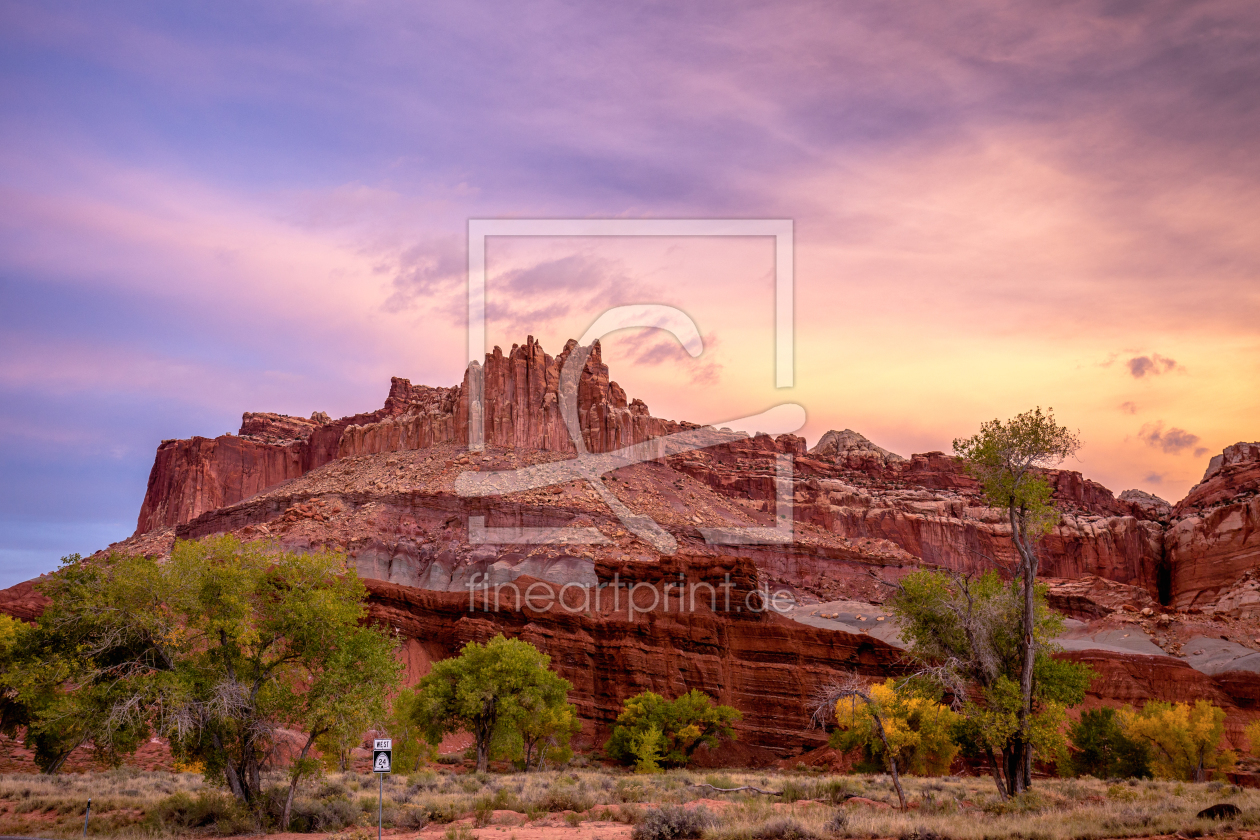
(382, 487)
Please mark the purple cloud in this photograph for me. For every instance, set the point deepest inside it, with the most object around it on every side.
(1172, 441)
(1152, 365)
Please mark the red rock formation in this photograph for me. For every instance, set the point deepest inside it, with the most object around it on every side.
(23, 601)
(381, 486)
(762, 664)
(1214, 539)
(519, 403)
(1132, 680)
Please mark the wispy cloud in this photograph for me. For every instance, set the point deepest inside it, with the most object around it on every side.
(1173, 441)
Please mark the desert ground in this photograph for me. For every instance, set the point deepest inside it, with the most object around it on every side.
(442, 801)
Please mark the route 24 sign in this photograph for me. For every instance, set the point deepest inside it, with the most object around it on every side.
(382, 755)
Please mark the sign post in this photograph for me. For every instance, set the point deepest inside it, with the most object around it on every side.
(382, 761)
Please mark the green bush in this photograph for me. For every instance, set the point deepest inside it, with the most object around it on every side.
(651, 729)
(784, 828)
(321, 815)
(180, 812)
(1104, 751)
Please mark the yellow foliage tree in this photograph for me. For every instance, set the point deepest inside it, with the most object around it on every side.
(916, 729)
(1253, 735)
(1186, 738)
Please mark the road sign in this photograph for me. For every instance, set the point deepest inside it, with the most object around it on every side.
(383, 744)
(381, 760)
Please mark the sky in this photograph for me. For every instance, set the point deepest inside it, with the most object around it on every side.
(225, 207)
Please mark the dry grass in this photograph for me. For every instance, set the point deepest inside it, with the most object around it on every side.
(55, 805)
(129, 803)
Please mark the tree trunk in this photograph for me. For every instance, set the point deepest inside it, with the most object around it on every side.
(233, 779)
(482, 732)
(57, 762)
(888, 753)
(1028, 560)
(483, 728)
(297, 776)
(997, 773)
(901, 794)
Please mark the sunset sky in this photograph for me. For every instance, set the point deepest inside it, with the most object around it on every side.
(232, 206)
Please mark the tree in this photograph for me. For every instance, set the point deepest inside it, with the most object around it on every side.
(344, 691)
(908, 729)
(1008, 459)
(646, 746)
(215, 648)
(684, 724)
(1185, 738)
(489, 690)
(1253, 737)
(410, 747)
(1103, 750)
(38, 671)
(965, 633)
(544, 734)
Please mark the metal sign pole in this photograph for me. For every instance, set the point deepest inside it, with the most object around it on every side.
(382, 763)
(89, 814)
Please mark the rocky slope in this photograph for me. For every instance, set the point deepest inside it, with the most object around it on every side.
(385, 487)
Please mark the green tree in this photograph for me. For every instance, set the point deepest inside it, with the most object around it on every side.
(1008, 459)
(410, 748)
(215, 648)
(1103, 750)
(488, 690)
(684, 723)
(645, 746)
(965, 631)
(540, 738)
(1185, 738)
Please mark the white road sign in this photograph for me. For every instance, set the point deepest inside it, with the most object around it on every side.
(383, 744)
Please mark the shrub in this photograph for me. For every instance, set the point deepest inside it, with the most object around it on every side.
(1104, 751)
(413, 819)
(834, 791)
(671, 821)
(320, 816)
(784, 829)
(180, 812)
(838, 823)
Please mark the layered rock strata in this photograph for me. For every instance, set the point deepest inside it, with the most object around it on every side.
(383, 486)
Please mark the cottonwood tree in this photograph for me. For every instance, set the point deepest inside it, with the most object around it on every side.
(488, 690)
(684, 723)
(895, 718)
(829, 704)
(965, 634)
(1009, 460)
(215, 648)
(1185, 738)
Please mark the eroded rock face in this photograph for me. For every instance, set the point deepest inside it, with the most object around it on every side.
(519, 401)
(1214, 540)
(382, 487)
(854, 450)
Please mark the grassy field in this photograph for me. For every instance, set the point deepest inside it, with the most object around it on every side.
(440, 802)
